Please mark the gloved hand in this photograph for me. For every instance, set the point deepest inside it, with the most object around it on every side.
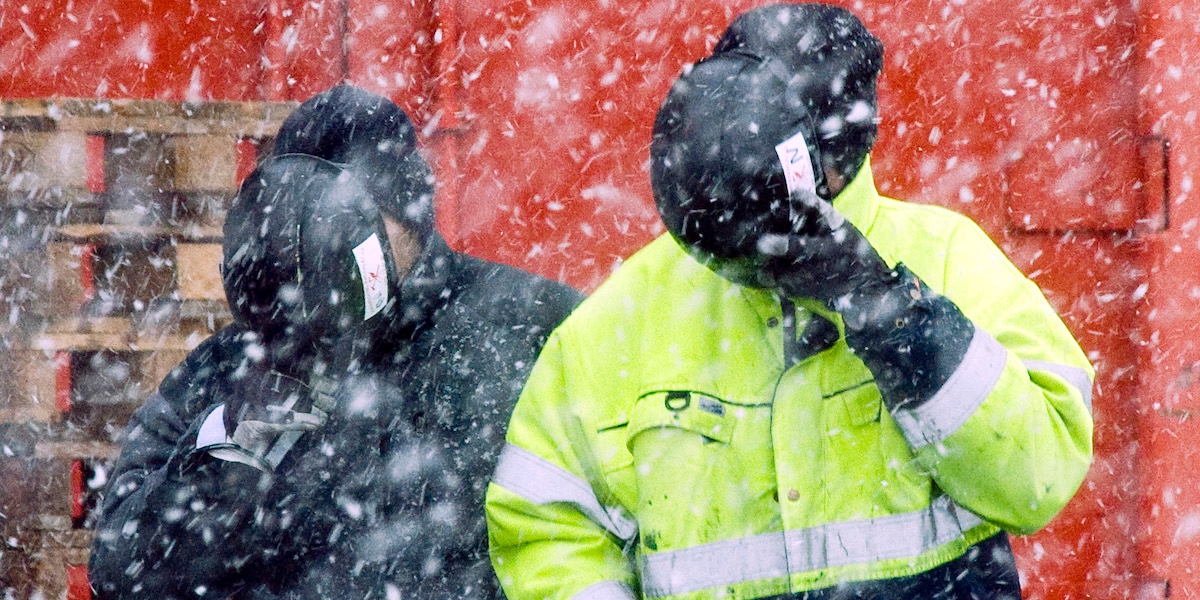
(826, 258)
(241, 525)
(231, 472)
(910, 337)
(265, 412)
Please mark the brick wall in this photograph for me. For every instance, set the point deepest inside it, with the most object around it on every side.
(110, 233)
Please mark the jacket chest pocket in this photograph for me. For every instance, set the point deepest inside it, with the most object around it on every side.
(862, 403)
(680, 442)
(685, 411)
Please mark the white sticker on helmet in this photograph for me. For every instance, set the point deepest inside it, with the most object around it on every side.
(373, 270)
(797, 164)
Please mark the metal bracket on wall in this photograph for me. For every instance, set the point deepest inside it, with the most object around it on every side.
(1154, 589)
(1155, 155)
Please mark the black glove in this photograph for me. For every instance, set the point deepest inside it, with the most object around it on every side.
(264, 413)
(910, 337)
(239, 518)
(825, 258)
(330, 487)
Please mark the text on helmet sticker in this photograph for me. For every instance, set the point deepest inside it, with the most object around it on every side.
(373, 269)
(797, 164)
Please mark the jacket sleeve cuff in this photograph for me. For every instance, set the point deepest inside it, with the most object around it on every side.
(910, 337)
(959, 397)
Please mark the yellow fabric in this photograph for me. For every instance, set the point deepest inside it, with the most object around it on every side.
(779, 450)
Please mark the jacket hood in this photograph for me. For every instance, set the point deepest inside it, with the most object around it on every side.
(374, 137)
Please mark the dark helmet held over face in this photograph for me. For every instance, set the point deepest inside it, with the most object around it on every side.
(743, 130)
(831, 60)
(372, 136)
(306, 258)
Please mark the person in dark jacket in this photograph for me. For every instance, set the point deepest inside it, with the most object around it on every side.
(334, 450)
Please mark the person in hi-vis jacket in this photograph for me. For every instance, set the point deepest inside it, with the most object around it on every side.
(803, 390)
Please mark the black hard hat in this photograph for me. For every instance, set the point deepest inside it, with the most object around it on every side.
(832, 61)
(306, 256)
(717, 154)
(788, 91)
(373, 136)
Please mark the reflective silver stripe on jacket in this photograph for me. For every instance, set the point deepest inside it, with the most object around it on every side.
(542, 482)
(1075, 377)
(774, 555)
(959, 398)
(606, 590)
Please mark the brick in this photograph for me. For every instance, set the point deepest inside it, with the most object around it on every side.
(16, 572)
(248, 152)
(50, 480)
(67, 273)
(88, 476)
(240, 119)
(20, 537)
(17, 502)
(130, 274)
(199, 272)
(94, 163)
(157, 364)
(77, 583)
(129, 340)
(28, 393)
(205, 163)
(39, 161)
(137, 177)
(91, 450)
(17, 440)
(106, 377)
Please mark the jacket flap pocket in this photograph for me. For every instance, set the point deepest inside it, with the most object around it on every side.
(680, 409)
(862, 402)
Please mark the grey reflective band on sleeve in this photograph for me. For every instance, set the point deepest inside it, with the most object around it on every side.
(958, 398)
(542, 482)
(1076, 377)
(717, 564)
(905, 535)
(606, 590)
(780, 554)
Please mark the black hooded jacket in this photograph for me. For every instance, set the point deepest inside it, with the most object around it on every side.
(382, 502)
(452, 384)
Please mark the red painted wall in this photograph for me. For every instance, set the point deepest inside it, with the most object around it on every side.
(178, 50)
(1169, 397)
(1045, 122)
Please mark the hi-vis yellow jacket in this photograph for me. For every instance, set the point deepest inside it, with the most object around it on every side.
(660, 448)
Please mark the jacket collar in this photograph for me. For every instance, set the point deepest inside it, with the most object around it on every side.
(423, 293)
(859, 201)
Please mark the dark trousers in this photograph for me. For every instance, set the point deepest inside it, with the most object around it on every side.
(986, 571)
